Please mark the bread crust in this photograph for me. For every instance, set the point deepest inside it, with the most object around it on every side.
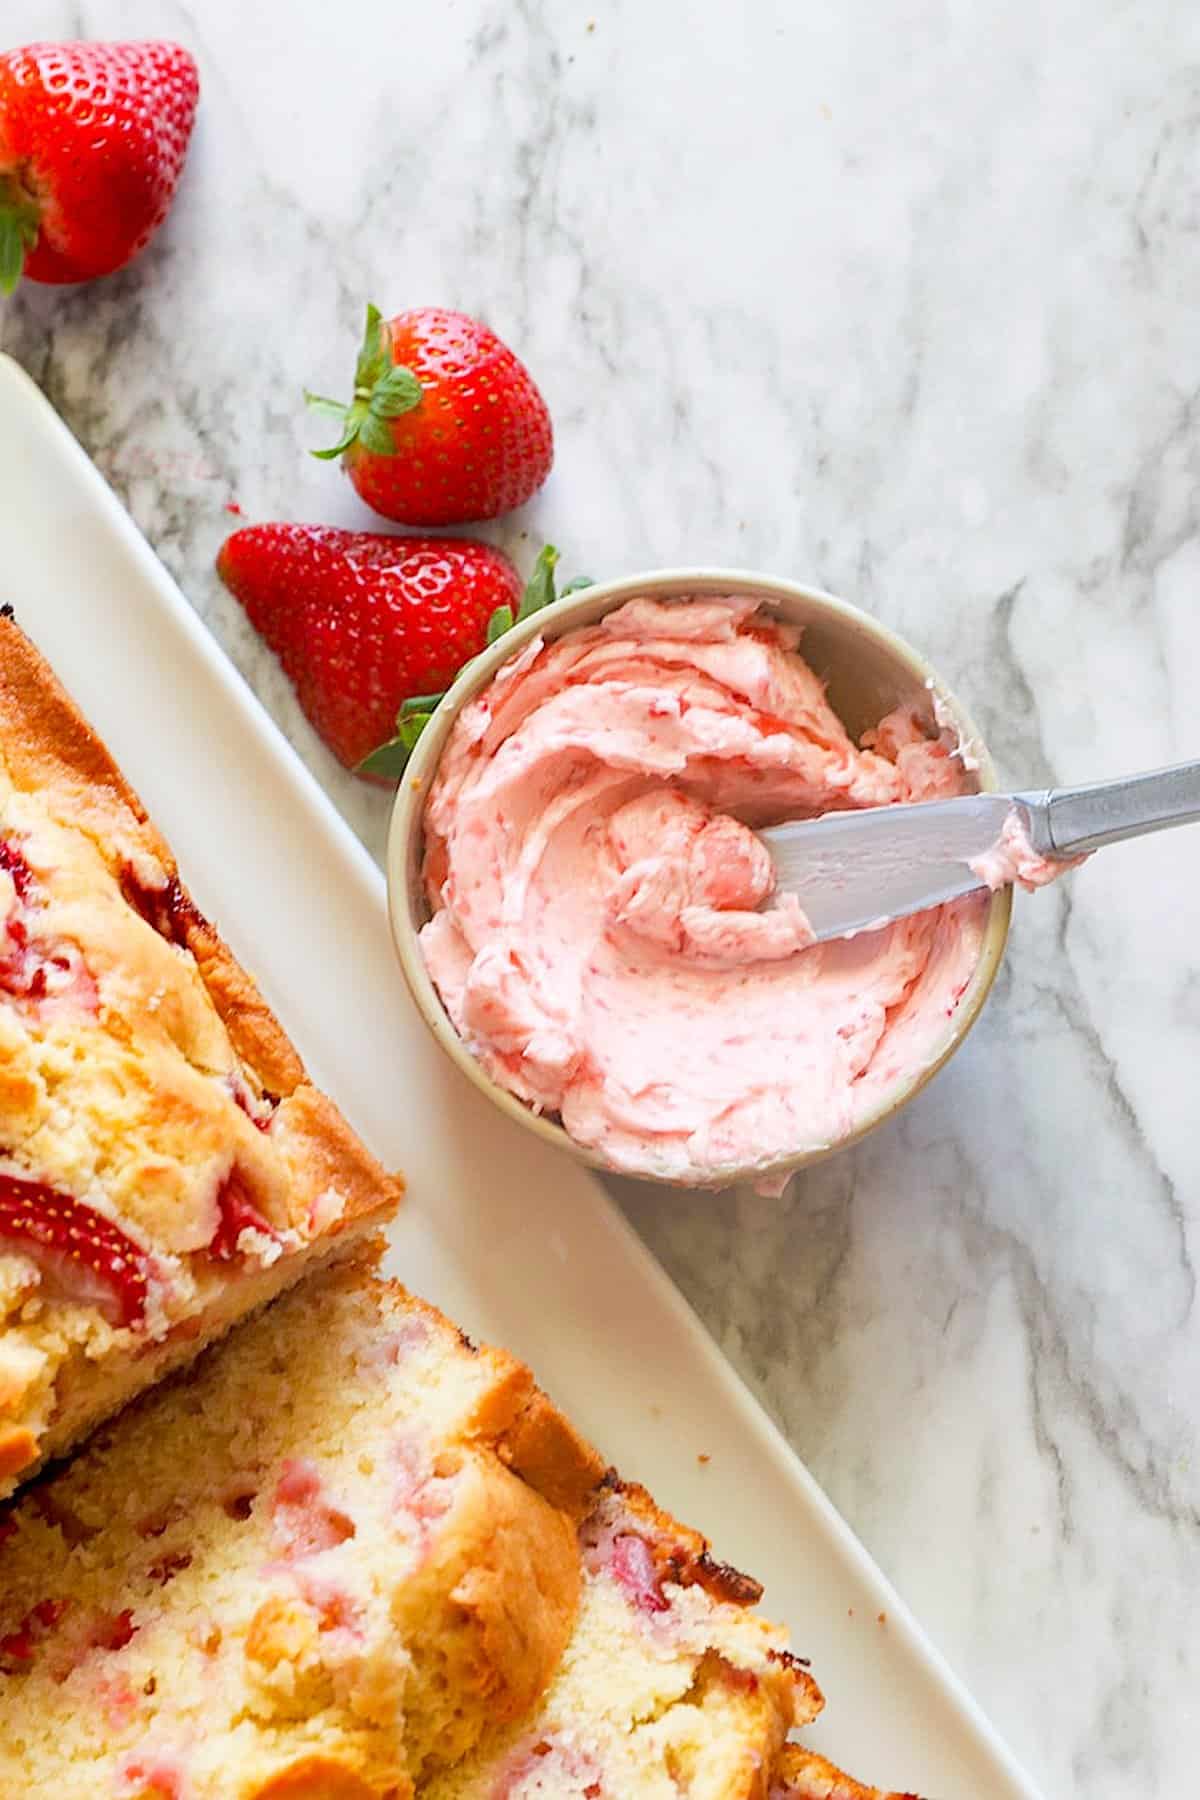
(446, 1599)
(545, 1449)
(519, 1422)
(49, 748)
(688, 1558)
(803, 1775)
(321, 1186)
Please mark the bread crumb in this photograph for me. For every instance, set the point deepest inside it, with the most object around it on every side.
(703, 1457)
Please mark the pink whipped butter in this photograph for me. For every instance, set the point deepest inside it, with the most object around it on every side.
(604, 934)
(1012, 859)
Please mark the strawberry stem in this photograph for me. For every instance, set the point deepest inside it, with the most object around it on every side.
(334, 409)
(383, 390)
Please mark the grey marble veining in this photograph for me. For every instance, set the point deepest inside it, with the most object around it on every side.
(900, 298)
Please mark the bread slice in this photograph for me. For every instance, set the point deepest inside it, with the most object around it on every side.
(320, 1564)
(351, 1556)
(165, 1165)
(803, 1775)
(671, 1688)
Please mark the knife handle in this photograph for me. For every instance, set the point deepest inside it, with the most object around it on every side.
(1069, 821)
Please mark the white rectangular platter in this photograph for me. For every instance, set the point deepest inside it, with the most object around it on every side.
(515, 1241)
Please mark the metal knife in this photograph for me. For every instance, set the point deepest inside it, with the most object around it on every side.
(855, 871)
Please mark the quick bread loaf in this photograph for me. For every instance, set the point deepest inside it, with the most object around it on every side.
(165, 1165)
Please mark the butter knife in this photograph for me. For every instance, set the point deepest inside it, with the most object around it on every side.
(856, 871)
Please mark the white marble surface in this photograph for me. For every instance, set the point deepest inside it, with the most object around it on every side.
(899, 297)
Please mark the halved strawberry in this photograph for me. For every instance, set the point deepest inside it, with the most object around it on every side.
(237, 1213)
(82, 1256)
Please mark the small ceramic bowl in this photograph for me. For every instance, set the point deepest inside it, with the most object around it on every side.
(868, 671)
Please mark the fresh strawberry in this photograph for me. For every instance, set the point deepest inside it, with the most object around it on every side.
(446, 425)
(82, 1255)
(92, 140)
(362, 622)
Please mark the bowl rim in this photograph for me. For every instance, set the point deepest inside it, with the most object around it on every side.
(574, 610)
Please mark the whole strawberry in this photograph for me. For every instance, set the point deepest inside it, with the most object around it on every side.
(446, 425)
(363, 622)
(92, 140)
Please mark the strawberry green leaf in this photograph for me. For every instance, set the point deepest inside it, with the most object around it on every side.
(374, 353)
(332, 409)
(12, 252)
(412, 728)
(540, 589)
(389, 760)
(19, 226)
(500, 622)
(353, 417)
(575, 585)
(375, 435)
(397, 392)
(420, 703)
(382, 391)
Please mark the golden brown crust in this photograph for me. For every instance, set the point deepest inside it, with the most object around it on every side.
(337, 1157)
(494, 1604)
(349, 1571)
(220, 1045)
(255, 1032)
(683, 1554)
(803, 1775)
(50, 747)
(47, 743)
(319, 1778)
(750, 1718)
(518, 1421)
(545, 1449)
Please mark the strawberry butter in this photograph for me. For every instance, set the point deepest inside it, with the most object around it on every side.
(604, 932)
